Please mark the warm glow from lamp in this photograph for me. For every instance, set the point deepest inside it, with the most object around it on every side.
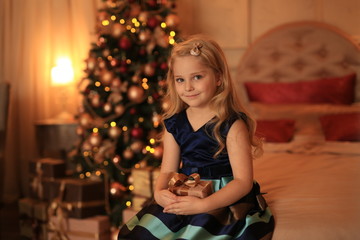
(61, 76)
(63, 72)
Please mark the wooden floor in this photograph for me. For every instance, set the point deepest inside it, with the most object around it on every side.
(9, 221)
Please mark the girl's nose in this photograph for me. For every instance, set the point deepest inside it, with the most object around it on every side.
(188, 86)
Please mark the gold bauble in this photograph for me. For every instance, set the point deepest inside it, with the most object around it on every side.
(158, 152)
(128, 153)
(117, 29)
(114, 132)
(95, 139)
(107, 107)
(107, 77)
(85, 120)
(137, 146)
(136, 94)
(119, 109)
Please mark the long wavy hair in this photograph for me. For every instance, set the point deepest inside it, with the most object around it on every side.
(225, 102)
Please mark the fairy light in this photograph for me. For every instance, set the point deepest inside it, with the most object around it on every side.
(106, 163)
(128, 61)
(137, 165)
(113, 17)
(107, 89)
(132, 30)
(152, 141)
(128, 203)
(86, 154)
(124, 128)
(88, 174)
(113, 124)
(172, 33)
(122, 21)
(81, 176)
(171, 41)
(163, 25)
(141, 119)
(98, 173)
(97, 84)
(128, 27)
(95, 130)
(105, 22)
(148, 148)
(131, 187)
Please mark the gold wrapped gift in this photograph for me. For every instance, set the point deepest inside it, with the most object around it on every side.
(183, 185)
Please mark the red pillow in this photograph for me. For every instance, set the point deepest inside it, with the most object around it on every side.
(341, 127)
(337, 90)
(281, 130)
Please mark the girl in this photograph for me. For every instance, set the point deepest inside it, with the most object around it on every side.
(207, 132)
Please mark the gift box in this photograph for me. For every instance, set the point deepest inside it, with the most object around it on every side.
(48, 167)
(79, 198)
(183, 185)
(137, 202)
(96, 227)
(32, 218)
(144, 180)
(128, 213)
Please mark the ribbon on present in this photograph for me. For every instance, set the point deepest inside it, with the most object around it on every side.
(58, 212)
(183, 185)
(36, 184)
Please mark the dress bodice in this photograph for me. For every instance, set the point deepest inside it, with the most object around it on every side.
(197, 148)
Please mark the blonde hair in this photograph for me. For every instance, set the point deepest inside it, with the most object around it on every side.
(225, 102)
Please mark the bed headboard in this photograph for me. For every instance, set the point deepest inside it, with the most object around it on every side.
(300, 51)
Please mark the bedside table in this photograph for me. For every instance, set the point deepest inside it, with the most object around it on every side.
(55, 138)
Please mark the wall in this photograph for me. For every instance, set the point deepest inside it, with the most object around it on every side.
(236, 23)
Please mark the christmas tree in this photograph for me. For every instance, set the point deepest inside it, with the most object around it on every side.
(119, 120)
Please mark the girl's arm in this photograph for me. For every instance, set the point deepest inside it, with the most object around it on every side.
(169, 165)
(239, 150)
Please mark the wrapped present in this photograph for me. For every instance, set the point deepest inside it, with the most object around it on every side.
(144, 180)
(43, 172)
(137, 202)
(183, 185)
(48, 167)
(96, 227)
(78, 198)
(128, 213)
(32, 218)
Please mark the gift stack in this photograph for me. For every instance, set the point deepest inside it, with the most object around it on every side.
(61, 207)
(143, 180)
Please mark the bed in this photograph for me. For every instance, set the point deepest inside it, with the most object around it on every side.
(301, 81)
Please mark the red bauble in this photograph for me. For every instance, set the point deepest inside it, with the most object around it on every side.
(152, 22)
(164, 66)
(125, 43)
(137, 132)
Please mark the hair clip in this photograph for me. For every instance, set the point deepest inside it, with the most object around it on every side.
(195, 51)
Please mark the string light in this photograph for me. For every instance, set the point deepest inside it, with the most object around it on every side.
(124, 128)
(152, 141)
(113, 17)
(163, 25)
(88, 174)
(122, 21)
(128, 203)
(113, 124)
(97, 84)
(95, 130)
(105, 22)
(131, 187)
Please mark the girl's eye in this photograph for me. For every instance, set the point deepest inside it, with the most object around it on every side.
(179, 80)
(197, 77)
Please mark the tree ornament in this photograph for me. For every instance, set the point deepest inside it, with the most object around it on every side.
(95, 139)
(128, 154)
(164, 66)
(90, 64)
(143, 17)
(107, 107)
(172, 21)
(136, 94)
(125, 43)
(85, 120)
(114, 62)
(114, 132)
(117, 190)
(158, 152)
(119, 109)
(107, 77)
(152, 22)
(149, 70)
(145, 35)
(117, 30)
(137, 132)
(95, 100)
(137, 146)
(80, 130)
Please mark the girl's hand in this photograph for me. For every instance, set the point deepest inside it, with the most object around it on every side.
(186, 205)
(165, 197)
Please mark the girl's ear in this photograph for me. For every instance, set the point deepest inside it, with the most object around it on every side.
(218, 82)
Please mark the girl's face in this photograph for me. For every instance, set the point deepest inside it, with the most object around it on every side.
(195, 83)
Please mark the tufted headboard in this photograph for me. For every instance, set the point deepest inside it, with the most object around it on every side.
(300, 51)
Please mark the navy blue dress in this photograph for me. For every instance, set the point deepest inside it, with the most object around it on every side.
(249, 218)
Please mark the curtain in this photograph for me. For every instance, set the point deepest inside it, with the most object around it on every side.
(33, 34)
